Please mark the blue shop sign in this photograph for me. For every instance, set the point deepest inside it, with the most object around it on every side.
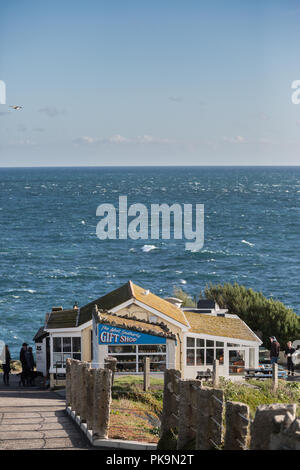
(113, 335)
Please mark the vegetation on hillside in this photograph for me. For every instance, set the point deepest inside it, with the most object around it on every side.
(260, 392)
(270, 317)
(136, 414)
(187, 300)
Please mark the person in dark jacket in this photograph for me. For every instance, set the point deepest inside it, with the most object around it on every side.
(6, 366)
(30, 366)
(275, 349)
(25, 370)
(288, 354)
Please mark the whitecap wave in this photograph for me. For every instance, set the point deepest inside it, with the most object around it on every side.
(147, 248)
(247, 243)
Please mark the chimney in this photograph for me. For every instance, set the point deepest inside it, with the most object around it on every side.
(174, 301)
(57, 309)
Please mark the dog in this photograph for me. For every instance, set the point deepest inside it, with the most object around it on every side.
(28, 378)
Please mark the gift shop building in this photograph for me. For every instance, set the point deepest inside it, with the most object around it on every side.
(131, 323)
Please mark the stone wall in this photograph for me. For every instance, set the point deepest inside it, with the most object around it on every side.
(88, 396)
(202, 420)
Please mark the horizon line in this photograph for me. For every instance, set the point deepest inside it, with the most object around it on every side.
(148, 166)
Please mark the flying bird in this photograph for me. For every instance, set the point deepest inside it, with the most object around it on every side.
(16, 107)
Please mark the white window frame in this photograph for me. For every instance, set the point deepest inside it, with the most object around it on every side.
(204, 348)
(65, 334)
(137, 354)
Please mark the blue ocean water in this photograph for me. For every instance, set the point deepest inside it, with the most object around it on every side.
(50, 254)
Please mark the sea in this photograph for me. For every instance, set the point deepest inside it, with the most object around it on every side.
(51, 256)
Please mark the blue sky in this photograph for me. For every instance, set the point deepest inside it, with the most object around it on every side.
(149, 82)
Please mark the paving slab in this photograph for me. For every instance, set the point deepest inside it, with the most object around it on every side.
(31, 418)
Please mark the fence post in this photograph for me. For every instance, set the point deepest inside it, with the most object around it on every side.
(216, 373)
(82, 391)
(286, 433)
(74, 388)
(275, 376)
(210, 407)
(187, 413)
(146, 373)
(90, 380)
(68, 383)
(170, 400)
(111, 363)
(263, 424)
(102, 401)
(237, 426)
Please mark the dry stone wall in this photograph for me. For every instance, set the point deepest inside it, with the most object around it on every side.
(88, 394)
(203, 420)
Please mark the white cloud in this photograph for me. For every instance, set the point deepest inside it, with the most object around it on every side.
(26, 142)
(239, 139)
(118, 139)
(51, 111)
(176, 99)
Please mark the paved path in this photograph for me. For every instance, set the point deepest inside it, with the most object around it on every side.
(31, 418)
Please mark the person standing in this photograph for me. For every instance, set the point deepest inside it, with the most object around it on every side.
(6, 366)
(24, 373)
(30, 366)
(275, 349)
(288, 354)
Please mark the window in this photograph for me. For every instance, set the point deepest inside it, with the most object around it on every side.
(237, 361)
(130, 358)
(64, 347)
(201, 352)
(190, 357)
(220, 355)
(200, 357)
(252, 357)
(209, 356)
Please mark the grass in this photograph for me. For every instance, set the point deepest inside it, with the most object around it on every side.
(259, 392)
(135, 414)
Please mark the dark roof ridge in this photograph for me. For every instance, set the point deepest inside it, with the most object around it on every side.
(130, 283)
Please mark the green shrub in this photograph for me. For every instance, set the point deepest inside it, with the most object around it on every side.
(269, 316)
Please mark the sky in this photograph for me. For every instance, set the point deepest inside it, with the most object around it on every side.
(126, 82)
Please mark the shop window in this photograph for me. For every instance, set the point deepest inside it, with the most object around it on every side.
(130, 358)
(200, 357)
(220, 355)
(209, 356)
(237, 362)
(65, 347)
(201, 352)
(190, 342)
(190, 357)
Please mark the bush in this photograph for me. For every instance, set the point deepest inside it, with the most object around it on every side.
(187, 300)
(269, 316)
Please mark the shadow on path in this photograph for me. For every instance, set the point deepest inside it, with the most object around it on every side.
(31, 418)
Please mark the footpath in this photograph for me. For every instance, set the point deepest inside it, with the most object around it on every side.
(31, 418)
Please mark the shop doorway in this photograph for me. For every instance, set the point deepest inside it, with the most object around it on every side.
(236, 360)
